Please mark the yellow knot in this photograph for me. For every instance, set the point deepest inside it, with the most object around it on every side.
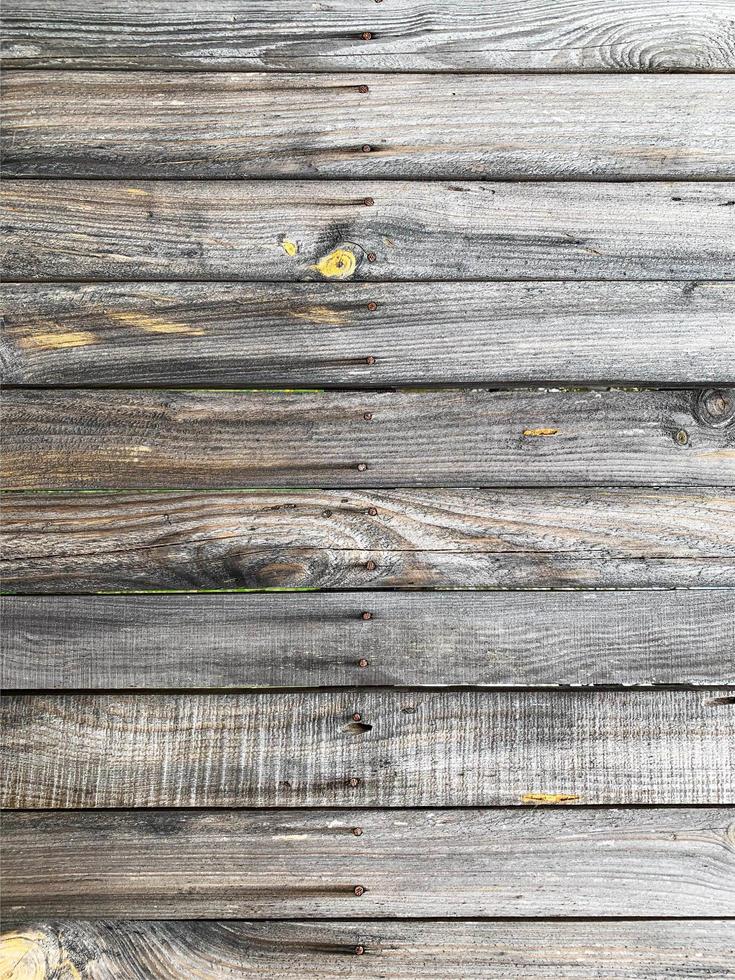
(27, 956)
(339, 264)
(540, 432)
(290, 248)
(549, 798)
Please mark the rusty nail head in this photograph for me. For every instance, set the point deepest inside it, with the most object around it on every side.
(357, 831)
(367, 35)
(372, 306)
(366, 148)
(368, 202)
(357, 716)
(368, 416)
(371, 256)
(372, 511)
(370, 565)
(370, 359)
(359, 950)
(362, 663)
(363, 89)
(682, 437)
(362, 467)
(359, 890)
(354, 781)
(366, 615)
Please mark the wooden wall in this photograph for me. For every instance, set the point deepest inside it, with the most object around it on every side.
(369, 465)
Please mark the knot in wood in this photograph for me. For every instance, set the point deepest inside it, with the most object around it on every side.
(716, 407)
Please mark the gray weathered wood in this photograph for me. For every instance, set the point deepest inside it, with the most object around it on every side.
(489, 35)
(368, 747)
(506, 639)
(537, 861)
(151, 124)
(321, 333)
(573, 538)
(374, 949)
(371, 230)
(87, 439)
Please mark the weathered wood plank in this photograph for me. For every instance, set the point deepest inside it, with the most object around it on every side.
(322, 333)
(488, 35)
(294, 640)
(366, 747)
(371, 230)
(536, 861)
(449, 127)
(86, 439)
(81, 542)
(374, 949)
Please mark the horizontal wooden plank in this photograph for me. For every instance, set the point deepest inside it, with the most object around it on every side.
(579, 35)
(374, 949)
(97, 439)
(366, 747)
(536, 861)
(482, 950)
(322, 333)
(573, 538)
(214, 125)
(317, 639)
(371, 230)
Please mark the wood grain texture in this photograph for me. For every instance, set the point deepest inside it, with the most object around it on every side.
(373, 949)
(534, 861)
(506, 639)
(367, 230)
(204, 125)
(401, 748)
(542, 35)
(573, 538)
(97, 439)
(275, 335)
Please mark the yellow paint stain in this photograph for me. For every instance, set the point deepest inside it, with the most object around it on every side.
(540, 432)
(156, 324)
(320, 314)
(26, 956)
(136, 192)
(339, 264)
(58, 341)
(290, 248)
(548, 799)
